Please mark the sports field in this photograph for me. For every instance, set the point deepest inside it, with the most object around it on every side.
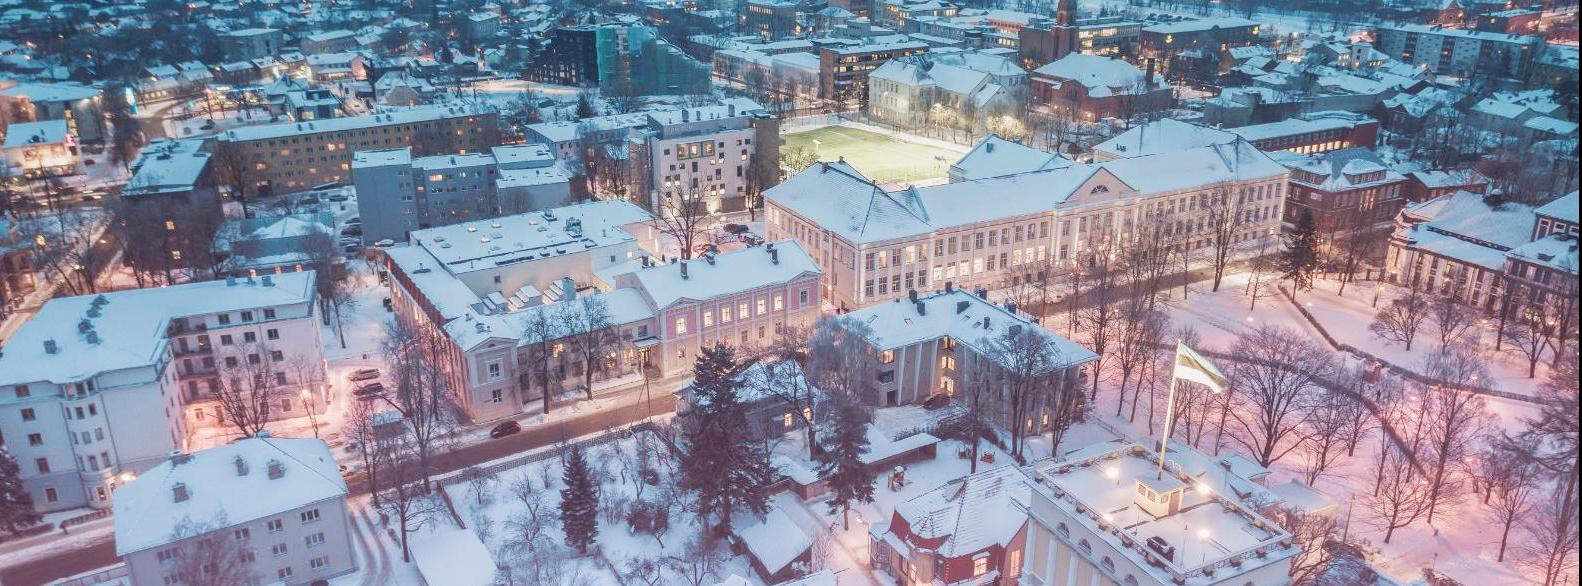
(883, 158)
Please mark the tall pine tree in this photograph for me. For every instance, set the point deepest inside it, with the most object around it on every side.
(721, 462)
(1299, 260)
(840, 462)
(579, 502)
(16, 505)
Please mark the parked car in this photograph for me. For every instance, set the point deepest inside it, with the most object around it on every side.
(386, 243)
(505, 429)
(936, 402)
(354, 222)
(369, 390)
(308, 200)
(339, 197)
(736, 229)
(363, 374)
(352, 230)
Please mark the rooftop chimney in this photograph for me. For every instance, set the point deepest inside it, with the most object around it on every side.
(911, 295)
(683, 269)
(962, 306)
(920, 310)
(241, 466)
(276, 470)
(50, 347)
(774, 256)
(179, 492)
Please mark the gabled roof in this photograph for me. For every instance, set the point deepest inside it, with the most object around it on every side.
(729, 273)
(994, 156)
(971, 513)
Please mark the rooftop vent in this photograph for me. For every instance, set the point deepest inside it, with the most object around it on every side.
(920, 310)
(241, 466)
(92, 337)
(84, 326)
(180, 493)
(50, 347)
(269, 281)
(276, 470)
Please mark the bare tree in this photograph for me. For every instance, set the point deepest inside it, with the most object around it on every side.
(786, 376)
(421, 390)
(1026, 363)
(838, 360)
(1514, 480)
(1531, 334)
(1402, 318)
(1455, 419)
(243, 172)
(1453, 322)
(1097, 313)
(683, 216)
(1400, 499)
(208, 552)
(1140, 331)
(1226, 214)
(1550, 550)
(1275, 373)
(249, 386)
(334, 288)
(406, 499)
(540, 331)
(697, 564)
(1313, 536)
(1326, 435)
(590, 329)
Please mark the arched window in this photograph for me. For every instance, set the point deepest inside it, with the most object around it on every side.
(1097, 189)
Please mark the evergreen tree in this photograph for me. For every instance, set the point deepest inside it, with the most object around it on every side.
(579, 502)
(840, 462)
(721, 462)
(16, 505)
(584, 107)
(1300, 259)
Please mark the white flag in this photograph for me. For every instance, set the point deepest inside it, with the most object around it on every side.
(1198, 368)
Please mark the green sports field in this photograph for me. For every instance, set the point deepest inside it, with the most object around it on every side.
(882, 158)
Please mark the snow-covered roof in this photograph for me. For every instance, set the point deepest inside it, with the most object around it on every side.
(35, 133)
(1162, 136)
(964, 317)
(971, 513)
(146, 509)
(1464, 33)
(1465, 227)
(50, 92)
(1103, 76)
(1310, 123)
(1563, 208)
(381, 118)
(1303, 498)
(486, 244)
(994, 157)
(454, 557)
(1341, 170)
(1198, 25)
(167, 166)
(1101, 480)
(775, 540)
(1185, 169)
(729, 273)
(129, 325)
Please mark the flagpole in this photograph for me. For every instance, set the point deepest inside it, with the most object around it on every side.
(1164, 439)
(1170, 403)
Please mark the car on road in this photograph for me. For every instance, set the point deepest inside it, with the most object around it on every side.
(363, 374)
(505, 429)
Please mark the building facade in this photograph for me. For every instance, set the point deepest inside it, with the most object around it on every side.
(96, 388)
(282, 502)
(1460, 52)
(398, 193)
(295, 156)
(1344, 190)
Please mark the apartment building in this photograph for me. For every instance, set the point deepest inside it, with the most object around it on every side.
(398, 193)
(80, 106)
(40, 149)
(282, 501)
(844, 68)
(1106, 514)
(294, 156)
(1460, 52)
(723, 154)
(503, 295)
(1017, 219)
(928, 345)
(251, 43)
(98, 388)
(771, 19)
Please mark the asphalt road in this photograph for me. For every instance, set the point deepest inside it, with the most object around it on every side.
(98, 555)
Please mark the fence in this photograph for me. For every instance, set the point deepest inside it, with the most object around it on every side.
(112, 573)
(1396, 369)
